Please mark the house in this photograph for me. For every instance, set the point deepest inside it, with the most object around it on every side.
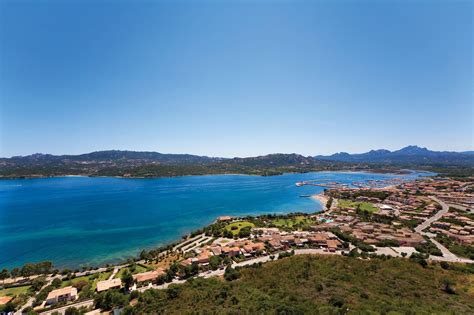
(186, 262)
(60, 295)
(203, 257)
(108, 284)
(333, 245)
(231, 251)
(148, 276)
(224, 218)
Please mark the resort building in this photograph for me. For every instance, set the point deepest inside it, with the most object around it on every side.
(148, 276)
(61, 295)
(108, 284)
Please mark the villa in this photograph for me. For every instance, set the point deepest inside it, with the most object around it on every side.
(108, 284)
(61, 295)
(148, 276)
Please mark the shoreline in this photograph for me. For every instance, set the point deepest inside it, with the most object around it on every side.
(321, 198)
(374, 171)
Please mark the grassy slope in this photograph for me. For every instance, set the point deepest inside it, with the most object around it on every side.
(298, 220)
(239, 225)
(14, 291)
(308, 284)
(365, 206)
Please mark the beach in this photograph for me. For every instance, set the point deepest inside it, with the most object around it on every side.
(321, 198)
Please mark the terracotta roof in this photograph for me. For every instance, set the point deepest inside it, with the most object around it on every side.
(5, 299)
(148, 276)
(107, 284)
(63, 291)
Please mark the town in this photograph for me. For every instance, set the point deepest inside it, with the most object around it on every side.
(428, 220)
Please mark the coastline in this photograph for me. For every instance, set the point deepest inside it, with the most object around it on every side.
(348, 171)
(321, 198)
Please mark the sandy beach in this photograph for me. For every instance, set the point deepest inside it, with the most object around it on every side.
(321, 198)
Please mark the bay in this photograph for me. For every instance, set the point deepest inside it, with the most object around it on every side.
(79, 221)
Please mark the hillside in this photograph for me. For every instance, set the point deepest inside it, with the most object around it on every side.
(154, 164)
(313, 284)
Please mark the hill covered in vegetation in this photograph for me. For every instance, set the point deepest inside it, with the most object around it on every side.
(320, 284)
(153, 164)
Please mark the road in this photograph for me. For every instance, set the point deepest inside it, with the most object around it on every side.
(437, 216)
(447, 255)
(62, 310)
(468, 210)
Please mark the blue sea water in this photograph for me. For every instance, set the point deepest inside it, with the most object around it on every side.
(77, 221)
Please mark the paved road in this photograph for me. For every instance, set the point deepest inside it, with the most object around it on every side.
(447, 255)
(469, 210)
(437, 216)
(191, 240)
(32, 299)
(112, 275)
(62, 310)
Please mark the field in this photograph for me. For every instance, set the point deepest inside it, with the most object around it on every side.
(235, 227)
(92, 279)
(320, 285)
(14, 291)
(294, 222)
(364, 206)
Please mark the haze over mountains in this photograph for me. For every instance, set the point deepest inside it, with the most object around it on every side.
(154, 164)
(411, 154)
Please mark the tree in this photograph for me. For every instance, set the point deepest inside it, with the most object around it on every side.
(38, 283)
(56, 283)
(110, 299)
(4, 274)
(448, 286)
(15, 273)
(329, 203)
(79, 285)
(72, 311)
(127, 280)
(231, 274)
(245, 232)
(215, 262)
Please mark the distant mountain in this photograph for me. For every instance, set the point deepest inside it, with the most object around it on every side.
(408, 155)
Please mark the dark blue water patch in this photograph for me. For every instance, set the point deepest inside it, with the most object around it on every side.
(75, 221)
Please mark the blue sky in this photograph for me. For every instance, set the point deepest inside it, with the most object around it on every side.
(235, 78)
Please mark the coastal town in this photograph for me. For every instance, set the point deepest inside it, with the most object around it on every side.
(429, 220)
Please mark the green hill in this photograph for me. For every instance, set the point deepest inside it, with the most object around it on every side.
(320, 285)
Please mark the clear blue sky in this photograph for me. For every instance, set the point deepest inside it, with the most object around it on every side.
(235, 78)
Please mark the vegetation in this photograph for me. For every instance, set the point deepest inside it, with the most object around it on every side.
(133, 269)
(428, 248)
(235, 227)
(364, 206)
(14, 291)
(294, 222)
(319, 284)
(463, 250)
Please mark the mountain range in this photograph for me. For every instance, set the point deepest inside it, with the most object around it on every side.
(154, 164)
(408, 155)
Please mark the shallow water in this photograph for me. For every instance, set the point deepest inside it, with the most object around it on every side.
(76, 221)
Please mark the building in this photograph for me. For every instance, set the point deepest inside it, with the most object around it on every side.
(108, 284)
(61, 295)
(148, 276)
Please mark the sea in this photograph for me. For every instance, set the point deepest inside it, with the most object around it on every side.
(91, 221)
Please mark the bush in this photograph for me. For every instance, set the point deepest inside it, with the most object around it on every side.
(231, 274)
